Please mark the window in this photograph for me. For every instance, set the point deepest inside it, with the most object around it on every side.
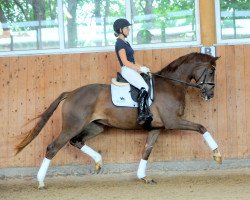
(233, 21)
(90, 23)
(162, 21)
(44, 26)
(26, 25)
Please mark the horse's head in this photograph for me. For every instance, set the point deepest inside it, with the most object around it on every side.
(197, 66)
(204, 76)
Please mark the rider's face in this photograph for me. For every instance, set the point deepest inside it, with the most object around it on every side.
(126, 30)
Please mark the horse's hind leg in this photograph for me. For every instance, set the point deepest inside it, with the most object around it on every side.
(181, 124)
(141, 172)
(93, 129)
(67, 133)
(52, 150)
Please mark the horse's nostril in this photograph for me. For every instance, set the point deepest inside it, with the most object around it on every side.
(204, 90)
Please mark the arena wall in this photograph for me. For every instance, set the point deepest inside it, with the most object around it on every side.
(28, 84)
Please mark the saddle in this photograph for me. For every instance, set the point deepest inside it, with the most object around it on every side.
(126, 95)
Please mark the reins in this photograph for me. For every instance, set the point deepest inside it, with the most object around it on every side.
(179, 81)
(197, 85)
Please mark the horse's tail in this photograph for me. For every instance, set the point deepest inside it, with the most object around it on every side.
(44, 117)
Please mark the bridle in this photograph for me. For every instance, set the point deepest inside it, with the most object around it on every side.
(199, 84)
(204, 74)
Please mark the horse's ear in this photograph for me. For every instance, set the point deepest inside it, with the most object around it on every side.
(215, 58)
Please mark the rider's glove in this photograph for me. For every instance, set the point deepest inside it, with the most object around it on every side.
(144, 70)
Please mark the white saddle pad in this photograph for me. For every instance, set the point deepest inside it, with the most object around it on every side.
(121, 96)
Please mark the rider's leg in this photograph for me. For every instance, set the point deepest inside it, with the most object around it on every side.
(135, 79)
(143, 109)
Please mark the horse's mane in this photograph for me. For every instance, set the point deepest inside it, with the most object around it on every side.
(173, 66)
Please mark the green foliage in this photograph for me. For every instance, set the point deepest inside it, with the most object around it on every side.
(227, 5)
(230, 7)
(24, 11)
(148, 15)
(164, 8)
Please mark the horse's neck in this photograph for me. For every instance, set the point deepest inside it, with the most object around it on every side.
(183, 73)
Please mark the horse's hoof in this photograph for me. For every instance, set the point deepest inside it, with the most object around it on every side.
(217, 157)
(148, 180)
(98, 167)
(41, 186)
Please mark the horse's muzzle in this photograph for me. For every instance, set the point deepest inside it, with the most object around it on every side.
(207, 94)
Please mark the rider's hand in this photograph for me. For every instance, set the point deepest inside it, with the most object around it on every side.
(144, 70)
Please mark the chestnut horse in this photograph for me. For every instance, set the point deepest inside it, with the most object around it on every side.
(88, 109)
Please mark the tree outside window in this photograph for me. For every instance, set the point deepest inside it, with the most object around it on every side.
(38, 25)
(235, 19)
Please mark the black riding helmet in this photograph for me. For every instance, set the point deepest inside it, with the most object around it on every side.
(120, 24)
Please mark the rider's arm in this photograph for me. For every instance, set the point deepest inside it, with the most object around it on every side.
(123, 56)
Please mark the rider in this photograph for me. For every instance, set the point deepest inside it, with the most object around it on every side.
(130, 70)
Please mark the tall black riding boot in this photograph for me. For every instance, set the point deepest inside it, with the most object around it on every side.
(143, 108)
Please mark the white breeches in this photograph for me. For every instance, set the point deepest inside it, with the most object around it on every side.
(133, 77)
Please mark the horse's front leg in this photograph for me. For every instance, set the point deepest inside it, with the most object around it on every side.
(181, 124)
(141, 173)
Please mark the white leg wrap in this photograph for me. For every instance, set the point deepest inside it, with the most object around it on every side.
(93, 154)
(210, 141)
(141, 172)
(43, 170)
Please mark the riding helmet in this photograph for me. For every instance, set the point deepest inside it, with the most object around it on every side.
(120, 23)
